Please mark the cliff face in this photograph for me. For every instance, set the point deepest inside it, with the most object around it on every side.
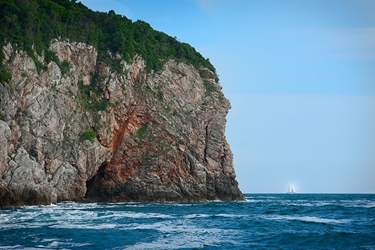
(86, 132)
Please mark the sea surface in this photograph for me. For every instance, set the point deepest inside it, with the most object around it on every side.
(263, 221)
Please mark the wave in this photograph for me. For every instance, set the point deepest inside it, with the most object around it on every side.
(194, 237)
(252, 200)
(281, 222)
(307, 219)
(134, 215)
(358, 203)
(193, 216)
(100, 226)
(72, 218)
(54, 244)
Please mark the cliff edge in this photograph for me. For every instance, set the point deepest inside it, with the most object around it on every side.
(79, 129)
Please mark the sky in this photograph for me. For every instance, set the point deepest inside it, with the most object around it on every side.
(300, 76)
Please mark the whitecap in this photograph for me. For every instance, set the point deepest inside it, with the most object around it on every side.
(54, 244)
(229, 215)
(183, 204)
(4, 218)
(84, 226)
(135, 215)
(168, 244)
(193, 239)
(166, 227)
(359, 203)
(252, 200)
(308, 204)
(215, 201)
(369, 205)
(307, 219)
(192, 216)
(11, 247)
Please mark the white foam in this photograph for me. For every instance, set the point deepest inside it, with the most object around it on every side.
(307, 204)
(135, 215)
(192, 239)
(85, 226)
(229, 215)
(24, 248)
(4, 218)
(168, 244)
(166, 227)
(215, 201)
(56, 244)
(148, 215)
(175, 227)
(184, 204)
(369, 204)
(11, 247)
(307, 219)
(252, 200)
(359, 203)
(192, 216)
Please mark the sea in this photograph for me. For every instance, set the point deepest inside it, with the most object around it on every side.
(262, 221)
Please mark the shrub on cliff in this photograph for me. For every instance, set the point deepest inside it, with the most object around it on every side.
(33, 23)
(5, 75)
(88, 135)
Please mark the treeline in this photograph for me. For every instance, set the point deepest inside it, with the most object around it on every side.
(27, 23)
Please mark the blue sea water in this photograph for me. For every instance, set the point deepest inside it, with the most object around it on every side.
(263, 221)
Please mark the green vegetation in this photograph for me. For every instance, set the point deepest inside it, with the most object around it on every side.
(51, 56)
(65, 67)
(88, 135)
(5, 75)
(50, 140)
(67, 143)
(28, 23)
(142, 132)
(165, 144)
(91, 96)
(2, 117)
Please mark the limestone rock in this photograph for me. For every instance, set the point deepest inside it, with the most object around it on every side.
(134, 136)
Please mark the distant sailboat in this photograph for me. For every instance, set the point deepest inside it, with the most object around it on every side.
(291, 189)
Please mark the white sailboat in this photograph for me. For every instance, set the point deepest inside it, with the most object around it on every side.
(291, 189)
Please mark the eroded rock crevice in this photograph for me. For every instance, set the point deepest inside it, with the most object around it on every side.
(92, 184)
(135, 136)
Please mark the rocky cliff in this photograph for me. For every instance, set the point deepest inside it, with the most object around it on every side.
(83, 131)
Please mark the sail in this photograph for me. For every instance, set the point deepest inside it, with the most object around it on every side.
(291, 189)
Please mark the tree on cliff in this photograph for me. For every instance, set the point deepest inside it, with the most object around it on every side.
(32, 23)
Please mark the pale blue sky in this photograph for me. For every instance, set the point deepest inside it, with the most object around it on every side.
(301, 79)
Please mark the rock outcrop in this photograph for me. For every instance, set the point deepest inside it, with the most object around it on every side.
(87, 132)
